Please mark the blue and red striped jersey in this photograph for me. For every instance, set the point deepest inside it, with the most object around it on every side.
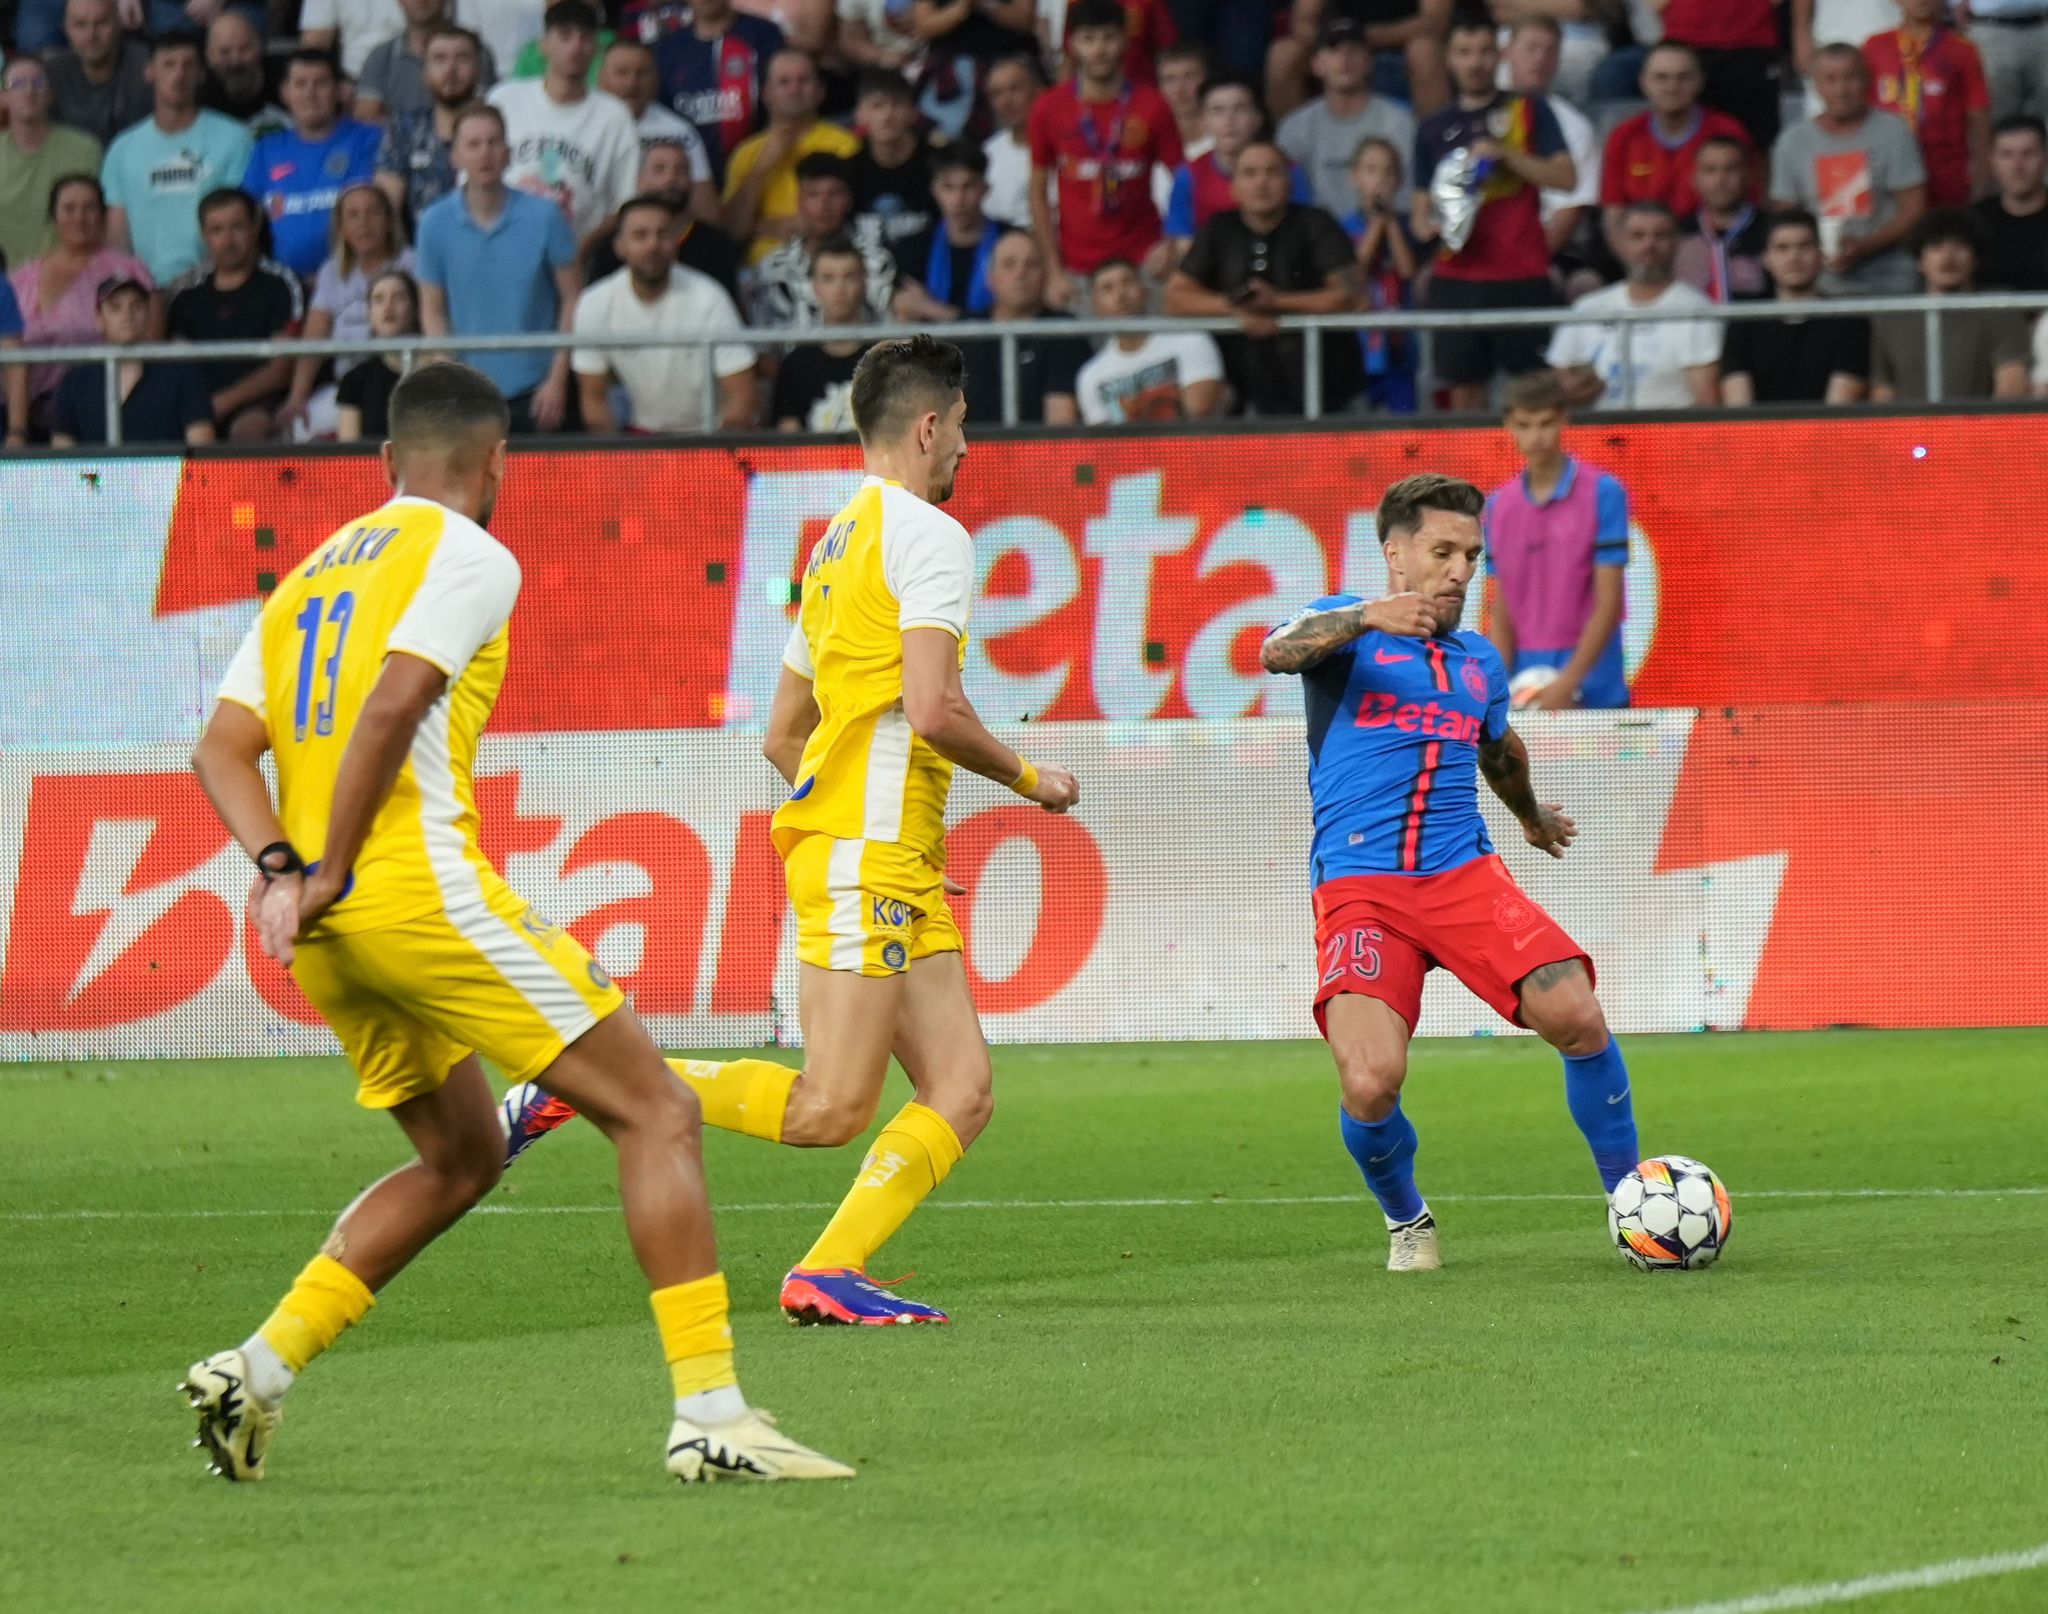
(717, 83)
(1394, 729)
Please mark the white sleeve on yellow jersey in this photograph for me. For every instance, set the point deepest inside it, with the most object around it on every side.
(243, 683)
(465, 598)
(928, 563)
(796, 655)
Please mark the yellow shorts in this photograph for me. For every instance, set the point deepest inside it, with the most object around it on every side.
(871, 907)
(411, 1001)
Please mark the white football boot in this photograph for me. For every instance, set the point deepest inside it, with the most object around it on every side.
(748, 1447)
(235, 1429)
(1412, 1246)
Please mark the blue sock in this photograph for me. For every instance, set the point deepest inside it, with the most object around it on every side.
(1596, 1088)
(1385, 1152)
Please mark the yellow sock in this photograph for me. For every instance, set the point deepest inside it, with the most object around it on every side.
(914, 1154)
(741, 1095)
(325, 1299)
(695, 1335)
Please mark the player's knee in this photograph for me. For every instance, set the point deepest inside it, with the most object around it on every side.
(821, 1119)
(1371, 1080)
(1570, 1021)
(472, 1171)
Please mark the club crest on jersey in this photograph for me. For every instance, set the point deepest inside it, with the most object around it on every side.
(1474, 676)
(1512, 912)
(893, 955)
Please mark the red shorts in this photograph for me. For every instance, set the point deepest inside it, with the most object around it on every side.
(1379, 934)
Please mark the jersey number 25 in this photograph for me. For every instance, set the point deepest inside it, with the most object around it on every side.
(1351, 952)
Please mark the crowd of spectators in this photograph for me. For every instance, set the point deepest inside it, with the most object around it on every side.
(195, 170)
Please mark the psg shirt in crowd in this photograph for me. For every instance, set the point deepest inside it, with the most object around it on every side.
(1507, 240)
(716, 83)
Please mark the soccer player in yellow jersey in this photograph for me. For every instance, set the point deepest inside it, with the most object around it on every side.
(369, 676)
(868, 724)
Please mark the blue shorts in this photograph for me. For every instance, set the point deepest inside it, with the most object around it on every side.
(1605, 685)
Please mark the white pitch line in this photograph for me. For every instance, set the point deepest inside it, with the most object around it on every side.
(1821, 1595)
(1160, 1203)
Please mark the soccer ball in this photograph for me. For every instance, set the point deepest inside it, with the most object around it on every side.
(1669, 1213)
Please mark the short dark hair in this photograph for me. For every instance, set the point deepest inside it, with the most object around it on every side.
(1671, 44)
(1232, 81)
(1188, 51)
(89, 181)
(626, 42)
(1268, 143)
(1096, 14)
(2012, 123)
(571, 16)
(1404, 504)
(900, 381)
(1108, 264)
(960, 156)
(453, 30)
(232, 196)
(823, 165)
(884, 83)
(838, 245)
(1473, 22)
(441, 404)
(646, 199)
(474, 109)
(1023, 59)
(1655, 209)
(1535, 392)
(1791, 218)
(1728, 141)
(177, 39)
(307, 56)
(1381, 143)
(1943, 226)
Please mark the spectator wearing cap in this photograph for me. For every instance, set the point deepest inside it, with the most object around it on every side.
(942, 273)
(1721, 247)
(1012, 89)
(761, 180)
(156, 172)
(56, 290)
(1173, 375)
(1653, 156)
(414, 165)
(298, 174)
(394, 78)
(665, 171)
(1860, 172)
(655, 299)
(2014, 218)
(241, 297)
(576, 146)
(34, 154)
(1534, 49)
(161, 404)
(627, 69)
(1324, 135)
(814, 386)
(1267, 257)
(100, 85)
(824, 209)
(1409, 34)
(1806, 356)
(242, 81)
(1094, 141)
(1932, 79)
(892, 170)
(714, 71)
(1984, 352)
(1047, 367)
(1670, 364)
(494, 261)
(1233, 119)
(1504, 261)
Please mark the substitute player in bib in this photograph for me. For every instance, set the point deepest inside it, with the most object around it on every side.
(869, 722)
(1403, 710)
(370, 675)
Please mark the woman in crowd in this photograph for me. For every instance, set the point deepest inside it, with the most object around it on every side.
(363, 400)
(366, 238)
(59, 290)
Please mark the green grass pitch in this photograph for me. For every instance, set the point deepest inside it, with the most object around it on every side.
(1178, 1379)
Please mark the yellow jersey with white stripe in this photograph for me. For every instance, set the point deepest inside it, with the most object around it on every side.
(415, 577)
(889, 562)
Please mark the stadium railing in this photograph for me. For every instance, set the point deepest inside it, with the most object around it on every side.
(1008, 339)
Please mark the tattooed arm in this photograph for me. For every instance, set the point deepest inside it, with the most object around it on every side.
(1314, 635)
(1505, 764)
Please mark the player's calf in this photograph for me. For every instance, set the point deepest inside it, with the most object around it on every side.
(1558, 1005)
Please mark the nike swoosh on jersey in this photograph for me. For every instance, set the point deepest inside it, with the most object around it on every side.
(1386, 660)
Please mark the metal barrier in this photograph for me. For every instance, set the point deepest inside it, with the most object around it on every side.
(1006, 337)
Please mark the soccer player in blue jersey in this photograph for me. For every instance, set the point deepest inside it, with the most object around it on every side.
(1405, 712)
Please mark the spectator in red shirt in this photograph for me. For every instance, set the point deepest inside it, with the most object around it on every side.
(1933, 78)
(1097, 136)
(1148, 30)
(1505, 261)
(1737, 44)
(1651, 156)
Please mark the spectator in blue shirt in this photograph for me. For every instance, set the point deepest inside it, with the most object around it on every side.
(298, 174)
(494, 261)
(15, 375)
(156, 172)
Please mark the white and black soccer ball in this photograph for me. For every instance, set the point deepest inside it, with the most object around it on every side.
(1670, 1213)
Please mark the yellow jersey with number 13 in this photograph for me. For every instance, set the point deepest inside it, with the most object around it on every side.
(889, 562)
(415, 577)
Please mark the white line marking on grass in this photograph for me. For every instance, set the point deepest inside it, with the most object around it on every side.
(1156, 1203)
(1899, 1580)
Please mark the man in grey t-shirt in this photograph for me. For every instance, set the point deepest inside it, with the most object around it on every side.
(1859, 170)
(1324, 135)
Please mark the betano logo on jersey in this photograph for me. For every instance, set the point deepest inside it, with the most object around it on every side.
(1415, 717)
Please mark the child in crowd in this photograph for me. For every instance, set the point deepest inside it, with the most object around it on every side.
(363, 400)
(1388, 262)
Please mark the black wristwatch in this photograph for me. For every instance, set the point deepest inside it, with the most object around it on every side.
(280, 858)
